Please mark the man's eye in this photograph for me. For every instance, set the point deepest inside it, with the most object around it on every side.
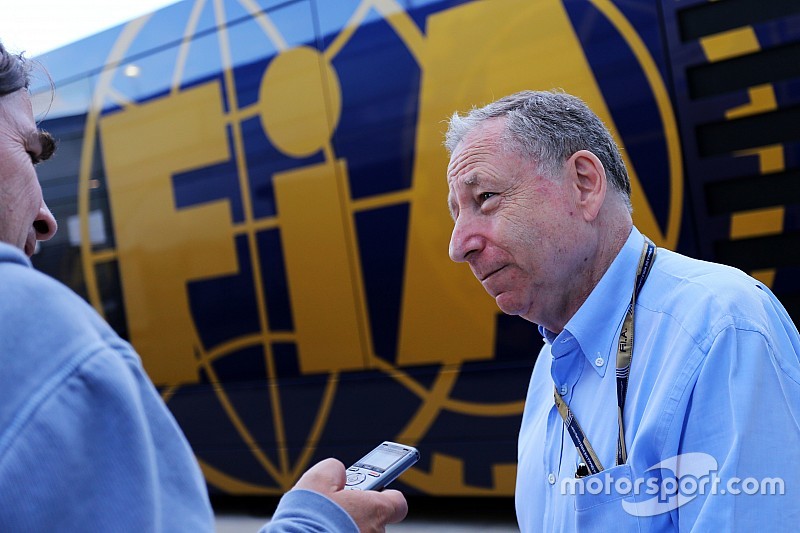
(485, 196)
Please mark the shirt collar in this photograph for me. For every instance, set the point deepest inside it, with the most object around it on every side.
(597, 322)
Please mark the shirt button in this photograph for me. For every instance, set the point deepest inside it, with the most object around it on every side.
(563, 390)
(551, 478)
(599, 361)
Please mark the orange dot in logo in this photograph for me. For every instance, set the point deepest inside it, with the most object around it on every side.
(300, 101)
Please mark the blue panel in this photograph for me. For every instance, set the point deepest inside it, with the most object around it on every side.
(248, 81)
(197, 409)
(88, 56)
(287, 363)
(225, 308)
(247, 364)
(251, 402)
(215, 182)
(333, 16)
(154, 74)
(203, 63)
(252, 48)
(516, 339)
(166, 26)
(480, 442)
(475, 381)
(382, 242)
(368, 407)
(78, 59)
(517, 347)
(301, 402)
(295, 22)
(627, 92)
(420, 11)
(263, 161)
(273, 274)
(380, 85)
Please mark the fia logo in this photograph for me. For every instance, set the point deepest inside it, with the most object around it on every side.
(178, 261)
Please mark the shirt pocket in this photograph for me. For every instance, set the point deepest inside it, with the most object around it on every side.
(598, 501)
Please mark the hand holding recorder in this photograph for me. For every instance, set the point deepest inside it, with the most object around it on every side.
(371, 510)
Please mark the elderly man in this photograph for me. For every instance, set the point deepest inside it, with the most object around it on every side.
(86, 444)
(697, 429)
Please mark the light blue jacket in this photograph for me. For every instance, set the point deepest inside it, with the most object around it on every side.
(86, 443)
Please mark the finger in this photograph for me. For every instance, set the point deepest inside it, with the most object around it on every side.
(396, 504)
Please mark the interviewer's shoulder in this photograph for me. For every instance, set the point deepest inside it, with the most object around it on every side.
(29, 291)
(37, 307)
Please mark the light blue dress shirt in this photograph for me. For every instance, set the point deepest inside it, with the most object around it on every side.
(712, 419)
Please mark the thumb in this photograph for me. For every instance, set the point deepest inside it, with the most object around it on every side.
(326, 477)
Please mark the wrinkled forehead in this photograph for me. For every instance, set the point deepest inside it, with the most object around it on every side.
(480, 143)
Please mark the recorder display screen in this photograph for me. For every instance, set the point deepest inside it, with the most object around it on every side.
(382, 458)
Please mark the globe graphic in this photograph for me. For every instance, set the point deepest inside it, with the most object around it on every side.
(255, 418)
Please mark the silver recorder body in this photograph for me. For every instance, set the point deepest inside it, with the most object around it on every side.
(381, 466)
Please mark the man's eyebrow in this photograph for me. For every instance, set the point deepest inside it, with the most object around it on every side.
(48, 144)
(472, 180)
(451, 207)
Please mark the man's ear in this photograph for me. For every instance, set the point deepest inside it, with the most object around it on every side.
(590, 182)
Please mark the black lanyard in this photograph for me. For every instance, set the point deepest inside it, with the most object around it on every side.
(624, 355)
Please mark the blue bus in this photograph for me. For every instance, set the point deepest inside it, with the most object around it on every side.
(253, 193)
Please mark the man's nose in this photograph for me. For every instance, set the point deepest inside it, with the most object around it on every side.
(45, 224)
(465, 239)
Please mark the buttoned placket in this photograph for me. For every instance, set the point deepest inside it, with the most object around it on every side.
(566, 368)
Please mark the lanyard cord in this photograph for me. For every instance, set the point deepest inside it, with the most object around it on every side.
(624, 355)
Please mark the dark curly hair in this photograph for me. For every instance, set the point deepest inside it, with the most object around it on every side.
(14, 72)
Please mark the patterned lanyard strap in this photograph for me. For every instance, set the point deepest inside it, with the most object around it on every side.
(624, 355)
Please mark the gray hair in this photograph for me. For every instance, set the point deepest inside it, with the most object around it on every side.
(548, 127)
(14, 72)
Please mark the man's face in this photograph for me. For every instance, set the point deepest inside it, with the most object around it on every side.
(517, 229)
(24, 217)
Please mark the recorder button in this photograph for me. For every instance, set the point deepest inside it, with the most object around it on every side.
(355, 479)
(374, 474)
